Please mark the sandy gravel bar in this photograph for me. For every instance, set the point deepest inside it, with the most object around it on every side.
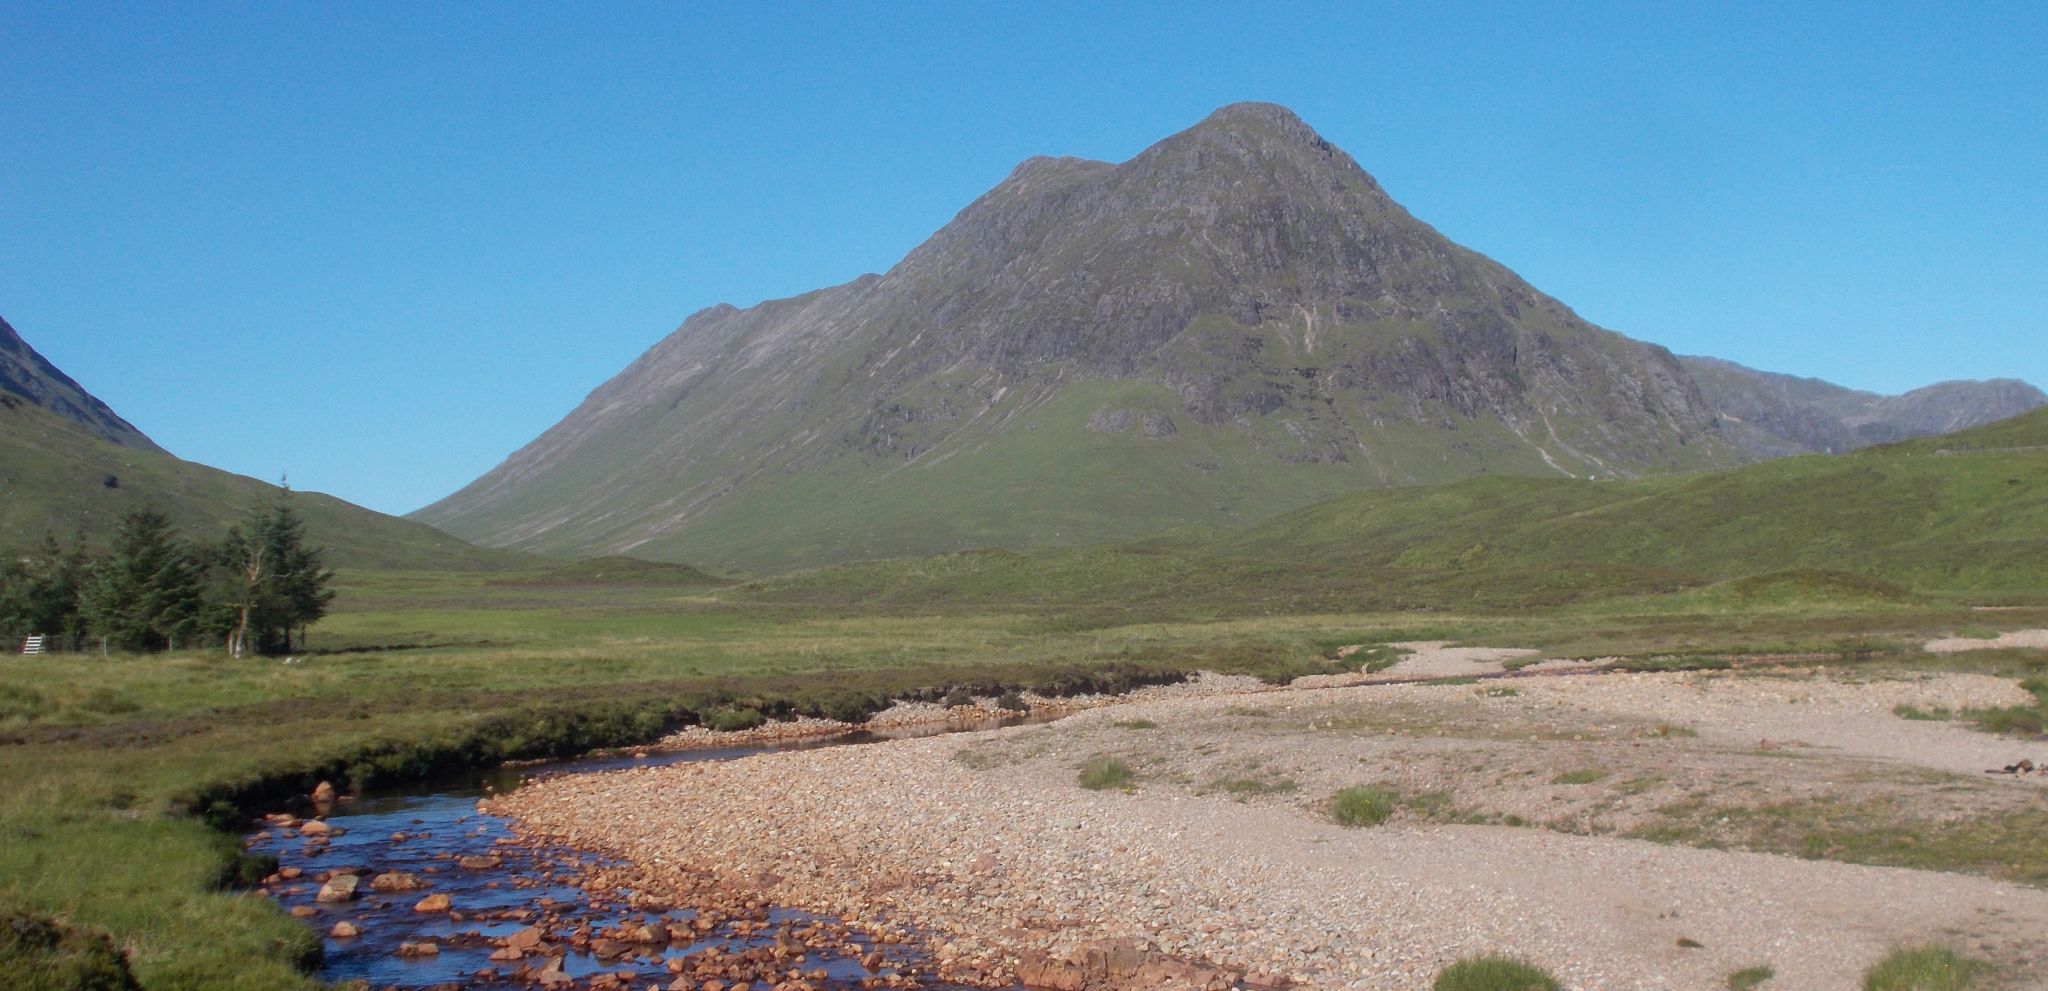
(1003, 852)
(2037, 639)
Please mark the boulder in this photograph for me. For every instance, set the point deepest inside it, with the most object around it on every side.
(432, 903)
(323, 793)
(345, 930)
(396, 881)
(318, 827)
(421, 949)
(339, 888)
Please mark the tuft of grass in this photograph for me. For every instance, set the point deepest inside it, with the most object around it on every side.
(1923, 968)
(1135, 724)
(1248, 786)
(1103, 773)
(1936, 714)
(1749, 977)
(1363, 805)
(1491, 973)
(1500, 693)
(1583, 776)
(2029, 721)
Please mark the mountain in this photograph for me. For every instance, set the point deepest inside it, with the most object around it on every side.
(1237, 322)
(68, 464)
(1772, 415)
(26, 375)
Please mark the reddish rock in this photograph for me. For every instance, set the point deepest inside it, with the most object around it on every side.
(418, 950)
(345, 930)
(432, 903)
(396, 881)
(323, 793)
(480, 863)
(304, 911)
(317, 827)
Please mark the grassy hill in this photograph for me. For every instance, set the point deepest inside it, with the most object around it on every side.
(1964, 513)
(58, 478)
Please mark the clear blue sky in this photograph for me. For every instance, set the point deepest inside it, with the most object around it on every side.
(380, 246)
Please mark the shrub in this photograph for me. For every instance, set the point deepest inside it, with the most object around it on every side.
(729, 720)
(957, 698)
(1923, 968)
(39, 954)
(1135, 724)
(1362, 805)
(1749, 977)
(1104, 773)
(1494, 974)
(1011, 701)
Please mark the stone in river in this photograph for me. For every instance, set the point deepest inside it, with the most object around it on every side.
(339, 888)
(432, 903)
(345, 930)
(396, 881)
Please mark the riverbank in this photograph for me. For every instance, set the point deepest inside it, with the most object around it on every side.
(1219, 853)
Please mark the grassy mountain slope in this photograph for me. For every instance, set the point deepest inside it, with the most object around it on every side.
(1235, 323)
(1963, 513)
(58, 477)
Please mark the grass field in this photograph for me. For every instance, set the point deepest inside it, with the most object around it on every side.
(116, 773)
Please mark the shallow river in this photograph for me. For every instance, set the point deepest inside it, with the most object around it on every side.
(425, 831)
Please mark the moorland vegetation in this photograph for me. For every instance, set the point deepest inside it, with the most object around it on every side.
(124, 777)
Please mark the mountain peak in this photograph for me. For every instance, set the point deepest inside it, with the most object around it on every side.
(26, 374)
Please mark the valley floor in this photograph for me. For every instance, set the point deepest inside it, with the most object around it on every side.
(1621, 830)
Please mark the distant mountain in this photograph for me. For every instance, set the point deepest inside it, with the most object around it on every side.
(68, 464)
(1235, 323)
(1772, 415)
(27, 375)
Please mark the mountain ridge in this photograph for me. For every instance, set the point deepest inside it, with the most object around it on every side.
(27, 375)
(1772, 414)
(1276, 327)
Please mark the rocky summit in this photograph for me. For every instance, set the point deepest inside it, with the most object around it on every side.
(1237, 322)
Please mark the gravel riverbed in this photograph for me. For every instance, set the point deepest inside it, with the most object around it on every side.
(986, 846)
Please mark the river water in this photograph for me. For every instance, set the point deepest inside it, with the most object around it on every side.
(426, 830)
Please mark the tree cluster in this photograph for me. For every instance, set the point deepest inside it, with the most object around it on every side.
(154, 589)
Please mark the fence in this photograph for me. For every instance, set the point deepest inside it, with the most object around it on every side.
(43, 643)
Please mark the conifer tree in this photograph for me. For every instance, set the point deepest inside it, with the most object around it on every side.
(148, 593)
(272, 582)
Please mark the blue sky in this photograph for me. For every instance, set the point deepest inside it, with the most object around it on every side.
(380, 246)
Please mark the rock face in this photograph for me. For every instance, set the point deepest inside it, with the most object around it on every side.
(1772, 415)
(1236, 322)
(27, 375)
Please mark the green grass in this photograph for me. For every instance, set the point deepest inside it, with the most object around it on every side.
(1492, 973)
(1582, 776)
(55, 475)
(1924, 968)
(1362, 805)
(1135, 724)
(1748, 978)
(1104, 773)
(2010, 845)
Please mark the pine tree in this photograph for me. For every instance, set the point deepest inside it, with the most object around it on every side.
(39, 593)
(148, 593)
(272, 582)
